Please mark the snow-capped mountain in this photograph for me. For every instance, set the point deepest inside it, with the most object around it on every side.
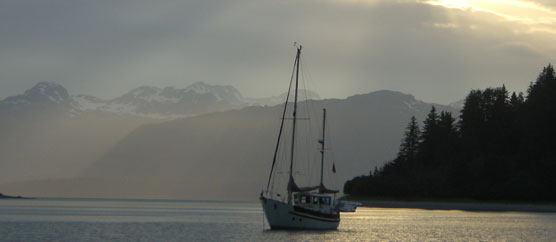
(47, 92)
(44, 96)
(195, 99)
(169, 102)
(144, 101)
(43, 92)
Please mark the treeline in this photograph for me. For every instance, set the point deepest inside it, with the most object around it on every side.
(502, 147)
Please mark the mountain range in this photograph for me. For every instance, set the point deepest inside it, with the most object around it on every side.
(48, 133)
(216, 146)
(145, 101)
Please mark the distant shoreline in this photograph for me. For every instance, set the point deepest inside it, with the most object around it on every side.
(464, 206)
(2, 196)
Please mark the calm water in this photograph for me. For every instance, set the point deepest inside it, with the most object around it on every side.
(148, 220)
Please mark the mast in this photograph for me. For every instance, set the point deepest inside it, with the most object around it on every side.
(322, 188)
(293, 127)
(281, 124)
(322, 148)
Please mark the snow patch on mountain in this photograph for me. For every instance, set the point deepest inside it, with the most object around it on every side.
(165, 103)
(198, 87)
(87, 103)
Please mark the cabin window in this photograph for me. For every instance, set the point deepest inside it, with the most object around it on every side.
(315, 200)
(303, 199)
(296, 199)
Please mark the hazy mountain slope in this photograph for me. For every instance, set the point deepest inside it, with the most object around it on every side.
(55, 147)
(48, 133)
(275, 100)
(43, 136)
(227, 155)
(170, 161)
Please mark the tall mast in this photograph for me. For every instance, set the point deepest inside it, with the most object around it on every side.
(322, 148)
(293, 127)
(281, 124)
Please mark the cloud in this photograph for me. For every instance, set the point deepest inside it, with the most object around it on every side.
(446, 25)
(535, 14)
(518, 50)
(106, 48)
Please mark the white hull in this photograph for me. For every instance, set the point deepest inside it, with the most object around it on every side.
(281, 215)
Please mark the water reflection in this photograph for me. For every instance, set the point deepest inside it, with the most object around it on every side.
(134, 220)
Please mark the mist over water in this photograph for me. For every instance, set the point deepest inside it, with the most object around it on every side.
(185, 220)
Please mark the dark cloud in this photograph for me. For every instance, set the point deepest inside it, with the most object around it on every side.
(108, 47)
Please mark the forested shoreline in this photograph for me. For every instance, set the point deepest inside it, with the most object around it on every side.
(501, 147)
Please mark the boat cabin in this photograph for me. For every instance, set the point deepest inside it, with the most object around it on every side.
(313, 200)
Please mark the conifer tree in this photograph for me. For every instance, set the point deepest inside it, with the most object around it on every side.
(408, 147)
(472, 115)
(540, 131)
(447, 133)
(516, 102)
(429, 137)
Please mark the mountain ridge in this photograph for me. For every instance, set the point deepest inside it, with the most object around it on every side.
(145, 101)
(226, 155)
(225, 152)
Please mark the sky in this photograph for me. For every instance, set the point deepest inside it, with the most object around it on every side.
(437, 50)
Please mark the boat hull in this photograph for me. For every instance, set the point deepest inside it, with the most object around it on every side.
(281, 215)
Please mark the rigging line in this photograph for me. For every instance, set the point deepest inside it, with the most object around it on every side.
(282, 123)
(309, 111)
(307, 88)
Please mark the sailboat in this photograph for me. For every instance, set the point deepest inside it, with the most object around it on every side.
(311, 207)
